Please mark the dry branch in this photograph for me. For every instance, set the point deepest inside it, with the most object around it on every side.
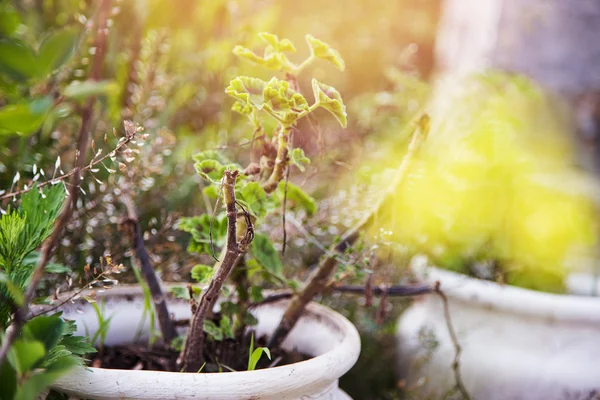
(319, 280)
(158, 297)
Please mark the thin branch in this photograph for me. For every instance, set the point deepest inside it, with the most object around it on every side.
(158, 297)
(319, 280)
(284, 206)
(125, 140)
(393, 291)
(46, 310)
(71, 201)
(460, 386)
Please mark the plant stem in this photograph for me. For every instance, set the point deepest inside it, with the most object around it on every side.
(71, 201)
(158, 297)
(282, 160)
(319, 280)
(192, 357)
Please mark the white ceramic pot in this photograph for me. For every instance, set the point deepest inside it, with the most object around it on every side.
(321, 332)
(516, 343)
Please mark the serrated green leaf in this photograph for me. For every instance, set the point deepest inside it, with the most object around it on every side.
(78, 90)
(283, 45)
(213, 330)
(248, 54)
(211, 155)
(180, 292)
(25, 118)
(265, 253)
(280, 98)
(331, 100)
(212, 191)
(242, 108)
(211, 170)
(55, 50)
(78, 345)
(254, 197)
(199, 228)
(202, 273)
(320, 49)
(298, 158)
(18, 60)
(248, 90)
(298, 197)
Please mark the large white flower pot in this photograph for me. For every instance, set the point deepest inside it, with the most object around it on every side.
(321, 332)
(516, 343)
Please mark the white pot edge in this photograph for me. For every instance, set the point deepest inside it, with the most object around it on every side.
(283, 382)
(507, 298)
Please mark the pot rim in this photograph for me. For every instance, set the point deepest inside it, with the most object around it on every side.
(320, 371)
(510, 299)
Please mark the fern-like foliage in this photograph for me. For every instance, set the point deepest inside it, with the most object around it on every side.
(22, 230)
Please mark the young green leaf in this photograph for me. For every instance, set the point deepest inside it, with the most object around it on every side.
(180, 292)
(202, 273)
(248, 90)
(25, 354)
(256, 294)
(25, 118)
(331, 100)
(46, 329)
(253, 195)
(265, 253)
(17, 60)
(55, 50)
(322, 50)
(213, 330)
(226, 327)
(81, 90)
(9, 19)
(297, 196)
(298, 158)
(283, 45)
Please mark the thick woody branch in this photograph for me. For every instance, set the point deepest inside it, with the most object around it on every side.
(282, 160)
(319, 280)
(192, 357)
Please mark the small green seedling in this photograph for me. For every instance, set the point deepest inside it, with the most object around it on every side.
(254, 355)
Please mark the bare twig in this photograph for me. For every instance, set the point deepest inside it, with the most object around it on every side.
(71, 201)
(319, 280)
(46, 310)
(393, 291)
(158, 297)
(192, 357)
(125, 140)
(460, 386)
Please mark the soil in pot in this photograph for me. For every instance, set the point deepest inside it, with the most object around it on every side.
(226, 355)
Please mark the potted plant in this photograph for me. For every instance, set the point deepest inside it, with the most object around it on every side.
(226, 325)
(505, 224)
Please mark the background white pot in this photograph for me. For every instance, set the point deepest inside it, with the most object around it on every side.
(517, 343)
(321, 332)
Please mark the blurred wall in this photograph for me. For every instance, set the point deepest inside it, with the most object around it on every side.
(555, 42)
